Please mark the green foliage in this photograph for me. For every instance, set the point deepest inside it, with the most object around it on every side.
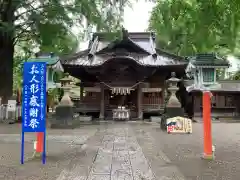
(46, 25)
(187, 27)
(53, 94)
(17, 72)
(220, 73)
(235, 76)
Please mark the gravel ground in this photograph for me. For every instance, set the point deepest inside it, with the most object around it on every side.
(62, 147)
(169, 156)
(185, 151)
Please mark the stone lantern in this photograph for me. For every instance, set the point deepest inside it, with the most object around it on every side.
(65, 110)
(173, 101)
(66, 86)
(173, 106)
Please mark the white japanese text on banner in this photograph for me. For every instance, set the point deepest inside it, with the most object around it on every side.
(34, 97)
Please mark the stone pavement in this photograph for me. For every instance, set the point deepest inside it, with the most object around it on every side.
(119, 157)
(111, 151)
(122, 151)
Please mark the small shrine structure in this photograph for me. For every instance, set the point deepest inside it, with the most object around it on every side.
(54, 66)
(225, 93)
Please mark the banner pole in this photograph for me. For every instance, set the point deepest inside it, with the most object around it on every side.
(44, 149)
(22, 148)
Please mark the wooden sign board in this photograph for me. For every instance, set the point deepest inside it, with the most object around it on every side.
(151, 89)
(179, 125)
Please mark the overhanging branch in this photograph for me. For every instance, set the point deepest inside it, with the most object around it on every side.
(31, 9)
(38, 8)
(24, 30)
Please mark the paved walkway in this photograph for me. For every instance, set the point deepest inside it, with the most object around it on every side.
(122, 151)
(119, 157)
(110, 152)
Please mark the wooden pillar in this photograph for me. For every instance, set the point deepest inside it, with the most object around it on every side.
(81, 91)
(207, 137)
(102, 109)
(164, 88)
(139, 106)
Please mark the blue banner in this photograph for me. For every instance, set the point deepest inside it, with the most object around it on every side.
(34, 97)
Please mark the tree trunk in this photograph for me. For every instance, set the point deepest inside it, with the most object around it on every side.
(6, 49)
(6, 68)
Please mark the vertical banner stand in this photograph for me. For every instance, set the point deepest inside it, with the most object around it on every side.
(33, 107)
(208, 153)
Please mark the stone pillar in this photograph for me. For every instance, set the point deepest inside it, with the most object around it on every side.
(102, 103)
(139, 102)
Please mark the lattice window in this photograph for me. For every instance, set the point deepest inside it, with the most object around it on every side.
(229, 101)
(208, 75)
(89, 94)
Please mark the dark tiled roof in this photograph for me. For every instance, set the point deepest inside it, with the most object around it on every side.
(72, 57)
(144, 60)
(143, 47)
(164, 59)
(161, 52)
(142, 42)
(208, 59)
(140, 46)
(133, 35)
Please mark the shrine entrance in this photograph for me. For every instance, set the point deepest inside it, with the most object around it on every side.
(121, 103)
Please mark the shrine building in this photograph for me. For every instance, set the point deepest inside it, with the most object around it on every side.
(130, 72)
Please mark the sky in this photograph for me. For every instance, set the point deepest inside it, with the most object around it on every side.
(135, 18)
(234, 64)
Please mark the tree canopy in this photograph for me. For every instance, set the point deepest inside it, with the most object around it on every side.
(46, 25)
(187, 27)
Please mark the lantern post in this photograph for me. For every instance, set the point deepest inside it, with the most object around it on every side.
(202, 68)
